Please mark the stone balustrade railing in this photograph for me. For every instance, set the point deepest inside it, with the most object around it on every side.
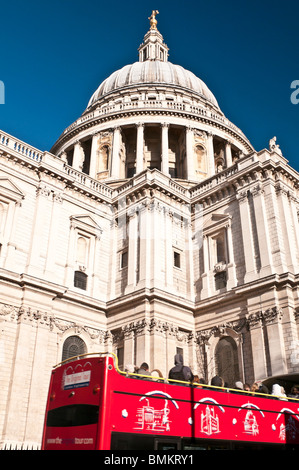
(109, 109)
(11, 143)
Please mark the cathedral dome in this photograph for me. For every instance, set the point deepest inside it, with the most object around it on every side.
(155, 72)
(152, 114)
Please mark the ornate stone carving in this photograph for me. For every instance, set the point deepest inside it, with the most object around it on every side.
(203, 337)
(264, 317)
(28, 314)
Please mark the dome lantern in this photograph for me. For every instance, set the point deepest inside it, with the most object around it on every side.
(153, 46)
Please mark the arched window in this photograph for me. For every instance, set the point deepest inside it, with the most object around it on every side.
(226, 359)
(73, 346)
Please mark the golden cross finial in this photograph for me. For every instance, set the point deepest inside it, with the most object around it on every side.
(153, 21)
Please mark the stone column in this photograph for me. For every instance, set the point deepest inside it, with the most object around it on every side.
(262, 231)
(288, 228)
(115, 153)
(51, 253)
(145, 247)
(277, 242)
(94, 156)
(9, 236)
(170, 346)
(295, 223)
(258, 346)
(78, 159)
(231, 269)
(143, 343)
(132, 251)
(32, 332)
(94, 266)
(129, 344)
(228, 154)
(43, 207)
(164, 162)
(272, 318)
(168, 217)
(139, 147)
(71, 250)
(206, 275)
(189, 154)
(249, 255)
(210, 154)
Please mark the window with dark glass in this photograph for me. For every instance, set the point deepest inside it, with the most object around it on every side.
(176, 259)
(73, 346)
(80, 280)
(73, 415)
(124, 259)
(220, 280)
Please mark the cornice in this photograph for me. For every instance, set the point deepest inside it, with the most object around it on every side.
(213, 121)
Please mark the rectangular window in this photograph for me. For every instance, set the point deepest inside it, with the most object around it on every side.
(124, 259)
(73, 415)
(220, 280)
(120, 357)
(80, 280)
(176, 259)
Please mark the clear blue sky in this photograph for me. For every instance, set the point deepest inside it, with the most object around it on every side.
(54, 54)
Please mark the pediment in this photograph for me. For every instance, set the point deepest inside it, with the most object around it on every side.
(86, 222)
(10, 190)
(216, 221)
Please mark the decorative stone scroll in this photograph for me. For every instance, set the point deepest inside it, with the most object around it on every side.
(155, 326)
(265, 317)
(203, 337)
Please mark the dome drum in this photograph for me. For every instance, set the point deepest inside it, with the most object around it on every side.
(179, 151)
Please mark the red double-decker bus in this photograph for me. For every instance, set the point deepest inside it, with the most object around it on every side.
(93, 405)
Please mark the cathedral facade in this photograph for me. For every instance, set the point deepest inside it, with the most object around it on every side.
(151, 227)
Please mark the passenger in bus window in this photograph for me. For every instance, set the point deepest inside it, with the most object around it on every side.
(130, 369)
(278, 392)
(143, 370)
(156, 375)
(294, 392)
(263, 389)
(239, 386)
(254, 387)
(179, 371)
(217, 381)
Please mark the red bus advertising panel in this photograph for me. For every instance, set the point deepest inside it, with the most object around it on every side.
(92, 405)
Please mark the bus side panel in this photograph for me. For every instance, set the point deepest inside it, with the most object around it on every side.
(145, 407)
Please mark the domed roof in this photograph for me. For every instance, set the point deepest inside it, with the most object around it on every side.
(153, 72)
(153, 69)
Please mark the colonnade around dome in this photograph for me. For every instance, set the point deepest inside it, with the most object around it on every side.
(180, 152)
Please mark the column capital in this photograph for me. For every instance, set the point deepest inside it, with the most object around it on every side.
(242, 196)
(189, 128)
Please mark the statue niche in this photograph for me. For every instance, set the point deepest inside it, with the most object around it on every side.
(200, 154)
(103, 155)
(200, 159)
